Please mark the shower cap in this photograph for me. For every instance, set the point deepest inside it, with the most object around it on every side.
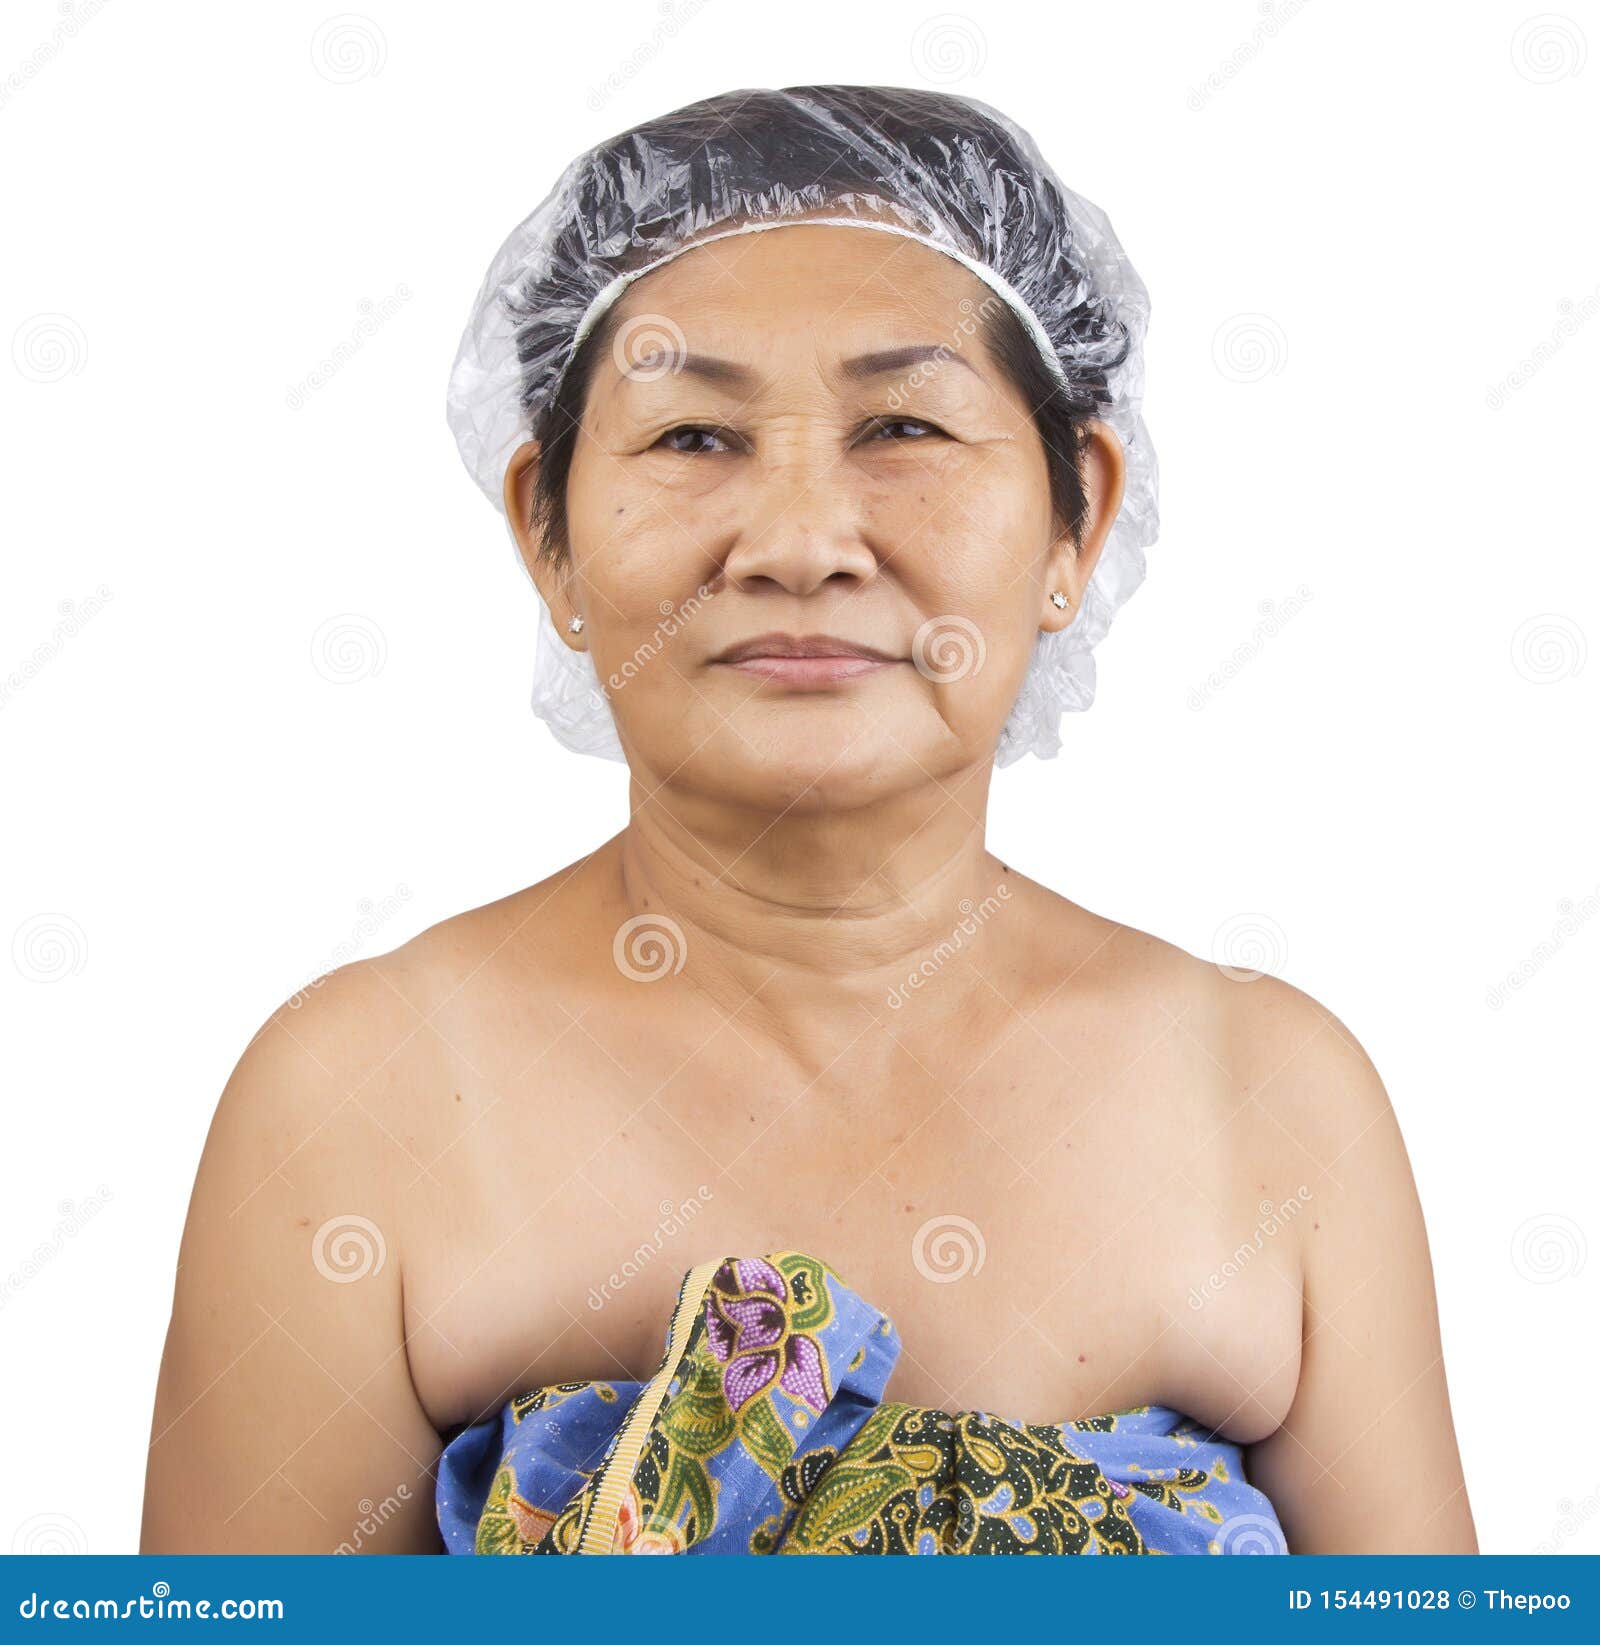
(936, 167)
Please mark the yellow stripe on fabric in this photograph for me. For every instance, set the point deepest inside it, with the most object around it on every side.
(605, 1506)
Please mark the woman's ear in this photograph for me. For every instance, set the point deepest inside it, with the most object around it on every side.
(516, 495)
(1105, 474)
(522, 475)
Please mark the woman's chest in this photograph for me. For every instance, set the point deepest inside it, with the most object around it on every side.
(1040, 1259)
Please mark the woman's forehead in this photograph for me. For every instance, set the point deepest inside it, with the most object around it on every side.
(820, 266)
(734, 314)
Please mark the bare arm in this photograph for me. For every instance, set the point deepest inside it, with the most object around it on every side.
(285, 1418)
(1366, 1461)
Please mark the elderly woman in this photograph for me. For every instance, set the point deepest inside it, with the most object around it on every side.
(790, 1174)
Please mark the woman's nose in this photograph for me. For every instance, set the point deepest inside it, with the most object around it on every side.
(803, 526)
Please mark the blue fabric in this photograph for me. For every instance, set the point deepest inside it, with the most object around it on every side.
(772, 1436)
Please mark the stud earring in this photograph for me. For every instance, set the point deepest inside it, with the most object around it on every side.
(1059, 600)
(575, 626)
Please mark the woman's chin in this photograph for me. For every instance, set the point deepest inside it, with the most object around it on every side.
(785, 765)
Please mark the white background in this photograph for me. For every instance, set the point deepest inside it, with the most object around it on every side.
(1371, 245)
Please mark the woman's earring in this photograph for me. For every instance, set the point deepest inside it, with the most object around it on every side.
(575, 626)
(1059, 600)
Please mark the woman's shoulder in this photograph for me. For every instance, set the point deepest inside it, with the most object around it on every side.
(1314, 1119)
(348, 1050)
(1275, 1070)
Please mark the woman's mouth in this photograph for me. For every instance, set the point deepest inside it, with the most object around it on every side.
(805, 660)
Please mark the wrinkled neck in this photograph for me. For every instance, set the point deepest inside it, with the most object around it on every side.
(815, 923)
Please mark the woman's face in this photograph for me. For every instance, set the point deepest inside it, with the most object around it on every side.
(798, 438)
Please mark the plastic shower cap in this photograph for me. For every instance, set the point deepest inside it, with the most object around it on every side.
(943, 169)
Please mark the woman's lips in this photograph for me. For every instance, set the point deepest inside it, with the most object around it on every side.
(802, 672)
(804, 661)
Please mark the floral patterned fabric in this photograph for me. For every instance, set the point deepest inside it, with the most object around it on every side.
(764, 1432)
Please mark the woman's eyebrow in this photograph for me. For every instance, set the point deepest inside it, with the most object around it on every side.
(856, 369)
(897, 359)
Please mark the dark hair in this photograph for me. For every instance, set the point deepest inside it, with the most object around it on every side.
(1057, 417)
(930, 160)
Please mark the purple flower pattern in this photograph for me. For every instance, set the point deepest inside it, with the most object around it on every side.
(747, 1326)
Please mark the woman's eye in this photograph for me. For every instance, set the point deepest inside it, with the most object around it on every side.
(893, 428)
(690, 439)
